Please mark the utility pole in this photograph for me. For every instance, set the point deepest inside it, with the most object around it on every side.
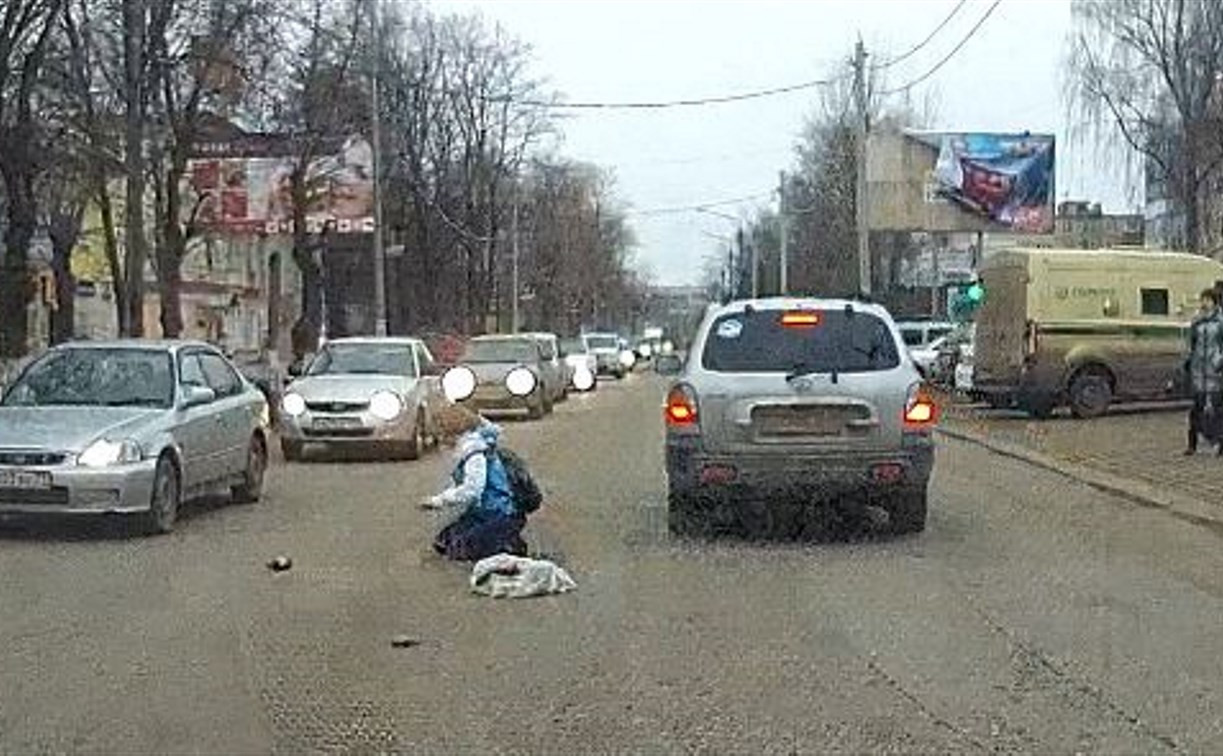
(514, 255)
(380, 324)
(860, 199)
(755, 267)
(783, 273)
(739, 240)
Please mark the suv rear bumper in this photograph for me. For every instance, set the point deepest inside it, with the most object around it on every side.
(691, 469)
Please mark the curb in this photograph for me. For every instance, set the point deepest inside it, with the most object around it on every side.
(1144, 494)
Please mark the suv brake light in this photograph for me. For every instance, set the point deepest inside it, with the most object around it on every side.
(681, 408)
(920, 408)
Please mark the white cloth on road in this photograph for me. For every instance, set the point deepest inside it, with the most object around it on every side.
(507, 576)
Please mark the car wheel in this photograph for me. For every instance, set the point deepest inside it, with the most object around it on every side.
(685, 517)
(1091, 392)
(907, 510)
(251, 488)
(417, 443)
(165, 499)
(292, 450)
(536, 411)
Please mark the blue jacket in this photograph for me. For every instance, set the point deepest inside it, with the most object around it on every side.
(480, 483)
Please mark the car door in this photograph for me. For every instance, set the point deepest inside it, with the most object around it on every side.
(195, 431)
(232, 412)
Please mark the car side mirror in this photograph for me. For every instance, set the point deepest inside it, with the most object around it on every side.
(668, 364)
(195, 396)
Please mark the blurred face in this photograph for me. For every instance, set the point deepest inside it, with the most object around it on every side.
(1208, 304)
(454, 421)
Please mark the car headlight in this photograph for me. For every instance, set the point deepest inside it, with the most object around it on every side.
(459, 383)
(104, 453)
(385, 405)
(520, 381)
(646, 351)
(627, 358)
(293, 405)
(583, 379)
(667, 347)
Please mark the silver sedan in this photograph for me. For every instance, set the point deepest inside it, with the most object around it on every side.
(368, 394)
(130, 427)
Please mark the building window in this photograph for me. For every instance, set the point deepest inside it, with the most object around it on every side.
(1154, 301)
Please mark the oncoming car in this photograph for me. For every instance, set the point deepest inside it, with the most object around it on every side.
(368, 394)
(609, 352)
(502, 372)
(798, 401)
(129, 427)
(583, 366)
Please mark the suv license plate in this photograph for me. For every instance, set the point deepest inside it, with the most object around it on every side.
(336, 423)
(25, 479)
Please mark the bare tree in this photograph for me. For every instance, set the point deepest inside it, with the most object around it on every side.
(26, 27)
(1149, 70)
(92, 106)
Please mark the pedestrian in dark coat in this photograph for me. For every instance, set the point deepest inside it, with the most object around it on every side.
(1205, 369)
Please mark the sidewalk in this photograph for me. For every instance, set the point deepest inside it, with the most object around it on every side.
(1135, 453)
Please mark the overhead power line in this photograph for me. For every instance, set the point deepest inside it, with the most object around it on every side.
(693, 102)
(920, 45)
(948, 56)
(697, 207)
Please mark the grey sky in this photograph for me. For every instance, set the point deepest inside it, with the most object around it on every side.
(1009, 77)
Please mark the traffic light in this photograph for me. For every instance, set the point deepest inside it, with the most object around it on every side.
(964, 301)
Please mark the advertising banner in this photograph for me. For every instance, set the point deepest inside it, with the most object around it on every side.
(246, 187)
(1005, 178)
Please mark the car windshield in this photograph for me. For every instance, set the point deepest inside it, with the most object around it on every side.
(603, 342)
(96, 377)
(364, 359)
(501, 350)
(573, 346)
(830, 341)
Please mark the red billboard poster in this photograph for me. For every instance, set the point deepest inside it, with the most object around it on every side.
(244, 189)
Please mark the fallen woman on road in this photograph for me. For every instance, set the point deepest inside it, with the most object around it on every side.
(491, 522)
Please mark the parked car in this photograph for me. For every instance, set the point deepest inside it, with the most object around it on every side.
(583, 366)
(130, 427)
(608, 352)
(502, 373)
(922, 333)
(813, 397)
(370, 394)
(925, 357)
(558, 376)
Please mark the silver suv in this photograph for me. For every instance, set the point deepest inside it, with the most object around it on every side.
(796, 400)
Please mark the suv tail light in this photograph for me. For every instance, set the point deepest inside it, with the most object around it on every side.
(921, 411)
(681, 409)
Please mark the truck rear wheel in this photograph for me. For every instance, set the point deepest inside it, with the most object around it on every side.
(1091, 393)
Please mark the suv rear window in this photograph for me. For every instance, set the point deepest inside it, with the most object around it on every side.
(854, 342)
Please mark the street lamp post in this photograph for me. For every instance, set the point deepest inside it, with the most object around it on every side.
(380, 315)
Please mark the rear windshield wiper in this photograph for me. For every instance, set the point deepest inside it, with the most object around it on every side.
(800, 370)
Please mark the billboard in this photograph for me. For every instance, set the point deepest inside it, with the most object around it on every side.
(1007, 178)
(961, 181)
(246, 187)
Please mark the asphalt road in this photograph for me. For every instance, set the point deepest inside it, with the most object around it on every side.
(1034, 615)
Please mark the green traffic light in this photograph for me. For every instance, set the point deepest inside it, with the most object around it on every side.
(975, 293)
